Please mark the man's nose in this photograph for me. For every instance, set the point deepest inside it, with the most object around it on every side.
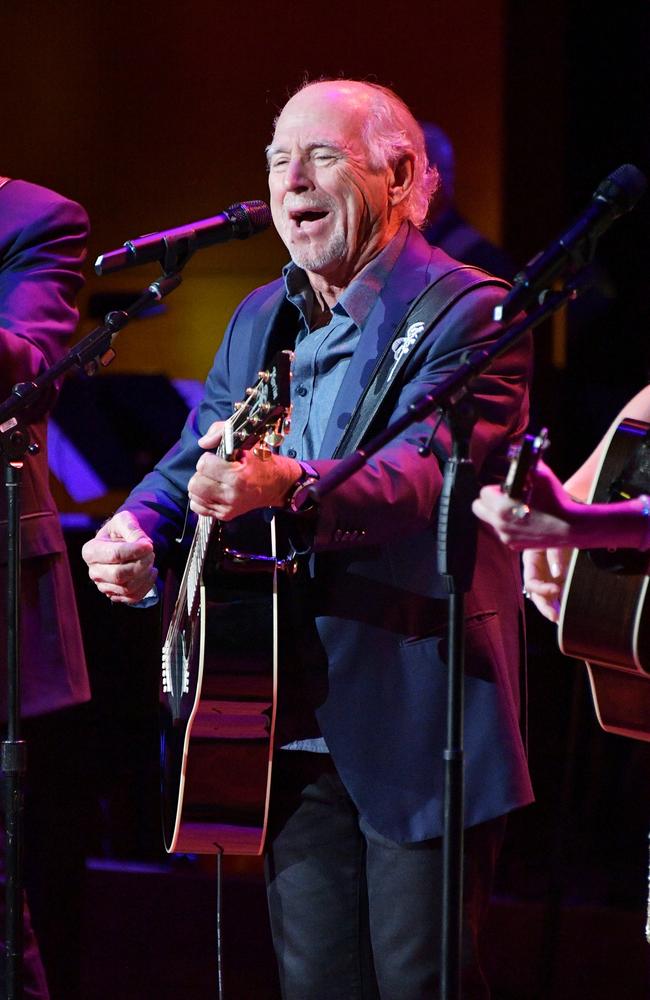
(297, 176)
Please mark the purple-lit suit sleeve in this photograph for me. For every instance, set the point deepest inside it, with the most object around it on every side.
(41, 254)
(42, 249)
(160, 500)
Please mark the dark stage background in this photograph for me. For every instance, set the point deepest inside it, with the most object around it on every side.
(152, 115)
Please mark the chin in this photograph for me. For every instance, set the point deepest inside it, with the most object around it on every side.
(311, 257)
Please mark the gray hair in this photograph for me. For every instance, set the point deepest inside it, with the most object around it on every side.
(390, 131)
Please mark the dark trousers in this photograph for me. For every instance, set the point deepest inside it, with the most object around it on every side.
(54, 855)
(33, 973)
(355, 916)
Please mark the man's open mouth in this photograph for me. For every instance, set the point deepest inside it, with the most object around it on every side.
(308, 216)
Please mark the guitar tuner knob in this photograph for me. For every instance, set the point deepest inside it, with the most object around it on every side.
(263, 376)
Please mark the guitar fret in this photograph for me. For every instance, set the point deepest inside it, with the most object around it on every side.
(197, 559)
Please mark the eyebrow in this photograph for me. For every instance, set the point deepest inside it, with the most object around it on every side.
(271, 150)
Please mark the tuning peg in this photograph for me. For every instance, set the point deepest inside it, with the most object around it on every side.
(262, 450)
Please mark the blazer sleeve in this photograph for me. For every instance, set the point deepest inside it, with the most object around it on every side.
(159, 501)
(396, 492)
(42, 250)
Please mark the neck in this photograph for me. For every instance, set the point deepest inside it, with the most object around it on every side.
(326, 295)
(328, 286)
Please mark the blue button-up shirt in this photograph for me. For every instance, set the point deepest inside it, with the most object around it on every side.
(321, 359)
(322, 356)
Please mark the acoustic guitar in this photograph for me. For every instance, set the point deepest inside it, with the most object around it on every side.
(605, 617)
(219, 660)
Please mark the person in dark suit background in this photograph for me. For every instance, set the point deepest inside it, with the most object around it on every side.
(354, 849)
(445, 226)
(42, 248)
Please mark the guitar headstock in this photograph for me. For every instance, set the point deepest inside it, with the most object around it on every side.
(523, 460)
(261, 415)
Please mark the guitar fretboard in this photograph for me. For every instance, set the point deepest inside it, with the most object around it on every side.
(204, 529)
(196, 560)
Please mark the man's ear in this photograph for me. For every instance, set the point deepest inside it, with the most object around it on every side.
(401, 181)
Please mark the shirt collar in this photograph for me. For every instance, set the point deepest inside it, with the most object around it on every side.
(359, 297)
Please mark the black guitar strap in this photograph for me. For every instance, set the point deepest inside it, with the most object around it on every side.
(411, 336)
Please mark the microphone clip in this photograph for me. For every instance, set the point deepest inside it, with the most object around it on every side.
(178, 250)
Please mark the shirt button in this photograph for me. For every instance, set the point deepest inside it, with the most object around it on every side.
(292, 452)
(302, 390)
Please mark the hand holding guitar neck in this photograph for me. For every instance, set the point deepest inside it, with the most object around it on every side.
(521, 526)
(507, 508)
(604, 616)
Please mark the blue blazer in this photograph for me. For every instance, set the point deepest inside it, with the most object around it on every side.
(376, 630)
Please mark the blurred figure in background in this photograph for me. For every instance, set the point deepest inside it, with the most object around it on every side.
(445, 226)
(42, 249)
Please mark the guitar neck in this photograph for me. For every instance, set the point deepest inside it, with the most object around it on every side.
(196, 559)
(203, 532)
(524, 459)
(258, 417)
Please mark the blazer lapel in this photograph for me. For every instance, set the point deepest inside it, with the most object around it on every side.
(407, 279)
(273, 329)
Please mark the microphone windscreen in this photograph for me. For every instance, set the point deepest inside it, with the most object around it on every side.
(623, 187)
(249, 217)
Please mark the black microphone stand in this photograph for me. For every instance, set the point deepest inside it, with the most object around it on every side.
(89, 354)
(456, 556)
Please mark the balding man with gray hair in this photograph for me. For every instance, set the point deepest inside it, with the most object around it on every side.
(353, 852)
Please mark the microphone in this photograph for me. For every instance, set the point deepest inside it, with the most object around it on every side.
(238, 222)
(613, 197)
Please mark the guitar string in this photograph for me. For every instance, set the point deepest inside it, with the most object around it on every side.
(219, 905)
(182, 596)
(647, 922)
